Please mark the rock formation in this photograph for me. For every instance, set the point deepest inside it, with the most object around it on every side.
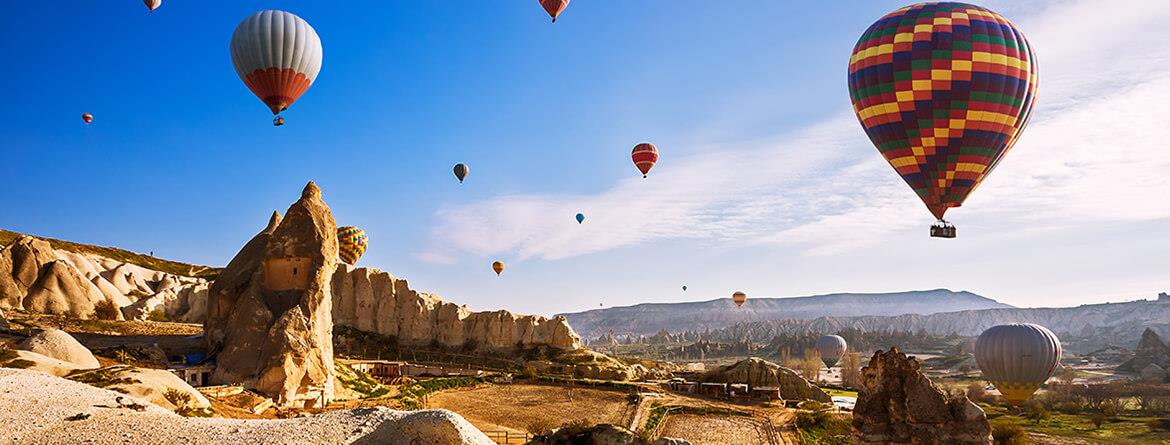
(3, 322)
(1150, 350)
(151, 385)
(58, 344)
(897, 404)
(269, 313)
(36, 277)
(757, 372)
(374, 301)
(1153, 373)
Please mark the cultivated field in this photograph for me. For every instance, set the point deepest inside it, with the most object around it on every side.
(517, 407)
(714, 430)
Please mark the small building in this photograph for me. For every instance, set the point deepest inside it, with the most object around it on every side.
(195, 375)
(766, 393)
(713, 389)
(738, 390)
(378, 369)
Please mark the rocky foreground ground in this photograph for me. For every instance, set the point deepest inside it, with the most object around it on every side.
(40, 409)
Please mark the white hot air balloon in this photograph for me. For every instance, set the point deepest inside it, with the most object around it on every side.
(1017, 358)
(277, 55)
(832, 348)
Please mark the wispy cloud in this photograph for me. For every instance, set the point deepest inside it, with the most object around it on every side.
(1095, 150)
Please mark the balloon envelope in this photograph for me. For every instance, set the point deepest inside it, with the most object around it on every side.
(86, 117)
(944, 91)
(461, 171)
(739, 298)
(351, 243)
(554, 7)
(831, 348)
(498, 266)
(580, 218)
(1017, 358)
(644, 156)
(277, 55)
(152, 4)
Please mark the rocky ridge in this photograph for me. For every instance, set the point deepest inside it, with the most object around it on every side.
(757, 372)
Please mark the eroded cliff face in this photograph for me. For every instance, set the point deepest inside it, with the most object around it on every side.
(269, 321)
(371, 300)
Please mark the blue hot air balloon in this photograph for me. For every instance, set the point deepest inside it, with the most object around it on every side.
(580, 218)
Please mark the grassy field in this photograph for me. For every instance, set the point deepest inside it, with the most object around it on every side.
(1121, 430)
(521, 407)
(839, 392)
(125, 256)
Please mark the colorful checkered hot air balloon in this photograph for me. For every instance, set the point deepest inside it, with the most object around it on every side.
(554, 7)
(943, 90)
(351, 243)
(739, 298)
(644, 156)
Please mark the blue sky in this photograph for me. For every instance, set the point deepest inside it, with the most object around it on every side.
(766, 182)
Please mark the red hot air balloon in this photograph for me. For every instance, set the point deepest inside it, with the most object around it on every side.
(87, 118)
(645, 155)
(152, 4)
(554, 7)
(277, 55)
(944, 91)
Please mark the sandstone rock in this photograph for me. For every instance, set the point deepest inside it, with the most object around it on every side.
(374, 301)
(61, 290)
(151, 385)
(1153, 373)
(269, 321)
(437, 426)
(47, 365)
(762, 373)
(897, 404)
(60, 345)
(20, 267)
(3, 322)
(1150, 350)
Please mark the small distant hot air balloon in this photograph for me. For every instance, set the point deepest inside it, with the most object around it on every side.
(944, 91)
(461, 171)
(1017, 358)
(277, 55)
(277, 121)
(580, 218)
(645, 155)
(554, 7)
(152, 4)
(351, 243)
(498, 266)
(684, 288)
(739, 298)
(831, 348)
(87, 118)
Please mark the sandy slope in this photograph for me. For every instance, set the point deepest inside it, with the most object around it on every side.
(34, 408)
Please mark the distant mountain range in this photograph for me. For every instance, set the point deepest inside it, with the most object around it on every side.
(649, 318)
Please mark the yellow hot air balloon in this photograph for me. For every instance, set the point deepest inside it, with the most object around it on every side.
(739, 298)
(1017, 358)
(498, 266)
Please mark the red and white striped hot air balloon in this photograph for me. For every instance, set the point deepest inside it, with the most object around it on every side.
(554, 7)
(152, 4)
(645, 155)
(277, 55)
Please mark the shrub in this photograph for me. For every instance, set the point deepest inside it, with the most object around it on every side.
(977, 393)
(158, 315)
(540, 426)
(1036, 413)
(1097, 419)
(1008, 432)
(807, 420)
(470, 345)
(1072, 408)
(106, 310)
(529, 372)
(1158, 425)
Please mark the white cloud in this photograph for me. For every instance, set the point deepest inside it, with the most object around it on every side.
(1097, 149)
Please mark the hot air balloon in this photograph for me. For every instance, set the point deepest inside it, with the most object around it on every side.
(554, 7)
(461, 171)
(580, 218)
(944, 91)
(277, 121)
(1017, 358)
(645, 155)
(87, 118)
(152, 4)
(351, 243)
(831, 348)
(739, 298)
(277, 55)
(684, 288)
(498, 266)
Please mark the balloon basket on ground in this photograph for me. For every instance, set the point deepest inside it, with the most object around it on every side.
(942, 229)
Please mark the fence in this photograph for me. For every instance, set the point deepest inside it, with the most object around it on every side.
(508, 437)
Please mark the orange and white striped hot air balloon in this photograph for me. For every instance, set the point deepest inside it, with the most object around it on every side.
(152, 4)
(277, 55)
(644, 156)
(739, 298)
(554, 7)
